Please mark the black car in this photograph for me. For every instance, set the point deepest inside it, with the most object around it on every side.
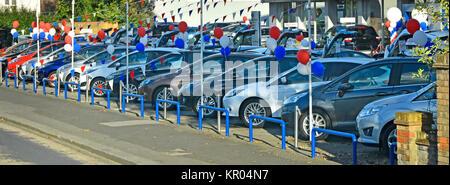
(338, 103)
(366, 38)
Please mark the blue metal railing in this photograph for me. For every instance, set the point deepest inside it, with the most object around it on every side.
(24, 78)
(56, 86)
(343, 134)
(137, 96)
(391, 152)
(72, 83)
(6, 78)
(283, 128)
(167, 101)
(227, 118)
(107, 95)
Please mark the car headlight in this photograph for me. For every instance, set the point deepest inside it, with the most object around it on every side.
(146, 82)
(294, 98)
(369, 111)
(234, 92)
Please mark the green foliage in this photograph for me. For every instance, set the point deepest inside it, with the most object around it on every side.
(24, 16)
(437, 15)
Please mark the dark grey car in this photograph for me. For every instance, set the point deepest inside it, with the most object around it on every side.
(338, 103)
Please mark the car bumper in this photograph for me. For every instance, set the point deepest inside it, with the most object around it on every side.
(368, 129)
(232, 106)
(288, 114)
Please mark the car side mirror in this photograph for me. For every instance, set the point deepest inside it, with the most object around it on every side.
(344, 87)
(283, 80)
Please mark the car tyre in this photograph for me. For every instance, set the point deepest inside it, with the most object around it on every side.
(318, 116)
(75, 79)
(133, 90)
(257, 107)
(210, 101)
(96, 82)
(159, 94)
(52, 76)
(388, 136)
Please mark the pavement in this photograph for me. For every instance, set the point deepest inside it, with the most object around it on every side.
(130, 139)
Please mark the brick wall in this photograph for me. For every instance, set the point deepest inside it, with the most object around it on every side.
(416, 140)
(441, 66)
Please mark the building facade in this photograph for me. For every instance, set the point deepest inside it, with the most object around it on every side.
(28, 4)
(328, 13)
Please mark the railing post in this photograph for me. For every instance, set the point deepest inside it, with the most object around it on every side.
(218, 113)
(1, 73)
(313, 144)
(87, 89)
(43, 87)
(297, 111)
(250, 129)
(165, 104)
(200, 111)
(120, 94)
(59, 81)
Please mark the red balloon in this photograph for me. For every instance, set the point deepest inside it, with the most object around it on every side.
(141, 31)
(140, 23)
(182, 26)
(47, 27)
(101, 34)
(15, 24)
(303, 57)
(66, 29)
(171, 27)
(41, 25)
(33, 24)
(274, 32)
(218, 33)
(244, 18)
(64, 22)
(388, 24)
(299, 37)
(412, 26)
(68, 39)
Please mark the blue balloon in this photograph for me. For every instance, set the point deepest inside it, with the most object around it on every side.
(35, 36)
(31, 30)
(213, 42)
(222, 51)
(15, 35)
(103, 61)
(399, 25)
(76, 47)
(317, 68)
(227, 51)
(56, 24)
(131, 25)
(206, 38)
(140, 47)
(122, 78)
(313, 45)
(423, 25)
(280, 52)
(49, 37)
(61, 55)
(42, 35)
(179, 43)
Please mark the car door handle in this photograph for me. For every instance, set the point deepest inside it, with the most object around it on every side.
(403, 92)
(381, 94)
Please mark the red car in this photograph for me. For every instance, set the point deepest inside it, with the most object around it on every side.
(43, 51)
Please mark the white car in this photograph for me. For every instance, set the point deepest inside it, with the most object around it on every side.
(98, 74)
(266, 98)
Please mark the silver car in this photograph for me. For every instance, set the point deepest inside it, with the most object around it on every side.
(375, 122)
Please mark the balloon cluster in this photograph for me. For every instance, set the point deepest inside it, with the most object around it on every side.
(14, 31)
(224, 41)
(304, 58)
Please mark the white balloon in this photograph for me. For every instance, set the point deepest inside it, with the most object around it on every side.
(224, 41)
(271, 44)
(391, 29)
(35, 30)
(420, 38)
(148, 20)
(394, 14)
(52, 31)
(420, 16)
(185, 36)
(110, 49)
(71, 34)
(143, 40)
(41, 30)
(68, 47)
(13, 31)
(303, 69)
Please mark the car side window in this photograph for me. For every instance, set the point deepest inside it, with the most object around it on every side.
(295, 77)
(135, 59)
(371, 77)
(169, 62)
(430, 94)
(336, 69)
(410, 74)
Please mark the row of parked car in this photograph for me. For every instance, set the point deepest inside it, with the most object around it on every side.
(355, 88)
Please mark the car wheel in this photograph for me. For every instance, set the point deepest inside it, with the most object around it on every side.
(387, 137)
(98, 83)
(20, 74)
(52, 76)
(320, 120)
(133, 89)
(159, 94)
(75, 79)
(254, 107)
(208, 101)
